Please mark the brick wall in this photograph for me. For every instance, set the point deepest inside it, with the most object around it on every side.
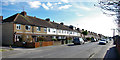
(7, 33)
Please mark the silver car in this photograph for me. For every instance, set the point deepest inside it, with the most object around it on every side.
(78, 41)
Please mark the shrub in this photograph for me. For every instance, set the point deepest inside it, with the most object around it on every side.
(24, 37)
(29, 39)
(40, 39)
(69, 38)
(88, 38)
(54, 39)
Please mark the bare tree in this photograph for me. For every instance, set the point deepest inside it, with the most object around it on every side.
(111, 8)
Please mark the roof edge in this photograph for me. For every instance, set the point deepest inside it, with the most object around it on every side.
(16, 17)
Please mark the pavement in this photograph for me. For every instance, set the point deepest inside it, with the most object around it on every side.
(88, 50)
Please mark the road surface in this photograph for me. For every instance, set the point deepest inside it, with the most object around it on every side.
(87, 50)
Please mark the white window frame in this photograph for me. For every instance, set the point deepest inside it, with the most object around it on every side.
(38, 28)
(54, 31)
(45, 29)
(19, 26)
(29, 27)
(59, 31)
(48, 29)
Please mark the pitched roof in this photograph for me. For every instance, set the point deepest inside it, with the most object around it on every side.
(10, 19)
(29, 20)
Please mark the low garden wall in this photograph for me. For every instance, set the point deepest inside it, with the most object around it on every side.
(47, 43)
(41, 43)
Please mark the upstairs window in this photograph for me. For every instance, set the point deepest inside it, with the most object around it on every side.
(59, 31)
(54, 31)
(38, 28)
(70, 32)
(18, 26)
(67, 32)
(27, 27)
(48, 29)
(62, 31)
(45, 30)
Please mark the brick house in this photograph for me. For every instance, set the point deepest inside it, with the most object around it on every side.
(16, 25)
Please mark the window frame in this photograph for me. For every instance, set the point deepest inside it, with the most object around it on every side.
(29, 27)
(19, 26)
(45, 29)
(38, 28)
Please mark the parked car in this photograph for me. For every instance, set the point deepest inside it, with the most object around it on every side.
(103, 41)
(78, 41)
(107, 40)
(93, 40)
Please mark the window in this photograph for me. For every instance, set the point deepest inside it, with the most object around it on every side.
(62, 31)
(18, 38)
(59, 31)
(48, 29)
(18, 26)
(54, 31)
(27, 27)
(70, 32)
(67, 32)
(45, 30)
(38, 28)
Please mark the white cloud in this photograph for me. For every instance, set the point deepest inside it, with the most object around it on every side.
(49, 4)
(79, 14)
(13, 0)
(12, 3)
(65, 1)
(59, 3)
(65, 7)
(44, 6)
(85, 8)
(34, 4)
(98, 23)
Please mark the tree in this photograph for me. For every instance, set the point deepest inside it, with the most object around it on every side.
(111, 8)
(85, 33)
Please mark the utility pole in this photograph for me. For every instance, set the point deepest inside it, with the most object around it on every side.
(113, 32)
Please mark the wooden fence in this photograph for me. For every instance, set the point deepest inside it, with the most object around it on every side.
(47, 43)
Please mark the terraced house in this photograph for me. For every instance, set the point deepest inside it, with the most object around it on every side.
(17, 25)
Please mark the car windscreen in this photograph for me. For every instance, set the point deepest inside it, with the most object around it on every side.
(102, 40)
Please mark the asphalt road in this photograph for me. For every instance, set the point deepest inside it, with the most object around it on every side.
(88, 50)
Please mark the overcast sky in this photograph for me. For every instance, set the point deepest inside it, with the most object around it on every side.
(79, 13)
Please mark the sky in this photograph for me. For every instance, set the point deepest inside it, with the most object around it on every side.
(79, 13)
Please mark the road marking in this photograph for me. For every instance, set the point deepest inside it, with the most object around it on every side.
(91, 55)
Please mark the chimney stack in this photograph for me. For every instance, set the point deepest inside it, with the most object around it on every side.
(23, 13)
(62, 23)
(47, 19)
(71, 27)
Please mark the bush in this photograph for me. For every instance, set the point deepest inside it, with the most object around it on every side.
(54, 39)
(24, 37)
(29, 39)
(40, 39)
(88, 38)
(69, 38)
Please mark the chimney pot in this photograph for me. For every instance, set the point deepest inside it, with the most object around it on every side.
(23, 13)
